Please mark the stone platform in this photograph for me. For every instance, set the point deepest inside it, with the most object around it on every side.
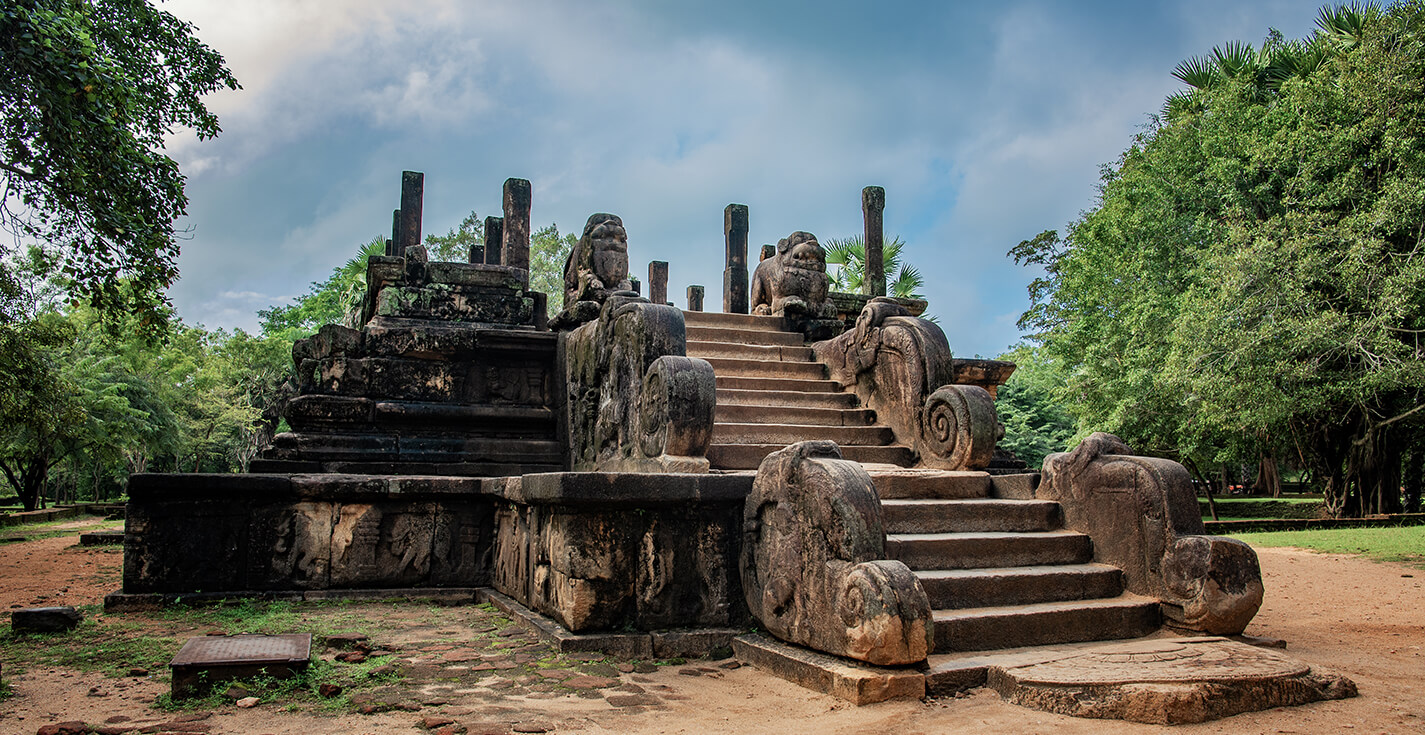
(1157, 680)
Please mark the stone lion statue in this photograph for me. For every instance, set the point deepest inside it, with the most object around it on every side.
(793, 280)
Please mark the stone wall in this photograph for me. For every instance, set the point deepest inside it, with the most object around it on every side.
(599, 551)
(212, 533)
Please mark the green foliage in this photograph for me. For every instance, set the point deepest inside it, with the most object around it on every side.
(548, 250)
(326, 302)
(454, 246)
(1251, 281)
(88, 91)
(1035, 424)
(1399, 544)
(848, 256)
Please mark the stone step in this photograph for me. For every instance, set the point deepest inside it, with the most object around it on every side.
(985, 549)
(774, 398)
(732, 413)
(793, 385)
(784, 434)
(735, 368)
(980, 514)
(962, 588)
(896, 484)
(783, 353)
(1043, 624)
(743, 336)
(734, 321)
(750, 456)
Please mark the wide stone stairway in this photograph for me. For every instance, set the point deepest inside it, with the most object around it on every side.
(1000, 573)
(772, 392)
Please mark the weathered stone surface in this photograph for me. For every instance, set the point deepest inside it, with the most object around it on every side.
(598, 264)
(813, 561)
(734, 275)
(1166, 682)
(695, 298)
(659, 552)
(857, 684)
(900, 367)
(1142, 514)
(316, 532)
(45, 619)
(658, 281)
(873, 204)
(515, 235)
(631, 400)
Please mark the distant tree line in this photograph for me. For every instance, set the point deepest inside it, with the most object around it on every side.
(1249, 288)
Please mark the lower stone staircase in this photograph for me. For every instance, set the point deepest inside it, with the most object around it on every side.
(1000, 572)
(772, 392)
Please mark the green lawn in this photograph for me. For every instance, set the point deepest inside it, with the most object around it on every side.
(1401, 543)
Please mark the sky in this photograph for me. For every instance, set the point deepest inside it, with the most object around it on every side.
(986, 123)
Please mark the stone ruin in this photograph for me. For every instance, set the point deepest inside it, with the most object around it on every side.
(653, 481)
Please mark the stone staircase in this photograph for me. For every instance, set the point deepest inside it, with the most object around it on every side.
(772, 392)
(1000, 573)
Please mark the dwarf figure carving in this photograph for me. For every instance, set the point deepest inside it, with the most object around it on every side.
(598, 265)
(793, 281)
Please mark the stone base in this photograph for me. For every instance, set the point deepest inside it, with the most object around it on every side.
(1169, 681)
(123, 601)
(854, 682)
(700, 643)
(1157, 680)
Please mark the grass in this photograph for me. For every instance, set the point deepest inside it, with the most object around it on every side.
(51, 529)
(1401, 543)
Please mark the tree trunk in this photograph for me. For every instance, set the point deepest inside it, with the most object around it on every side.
(1269, 479)
(1412, 478)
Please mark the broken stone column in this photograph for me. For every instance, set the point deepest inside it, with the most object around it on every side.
(516, 234)
(873, 202)
(734, 276)
(658, 281)
(412, 192)
(768, 251)
(395, 232)
(695, 298)
(814, 567)
(494, 239)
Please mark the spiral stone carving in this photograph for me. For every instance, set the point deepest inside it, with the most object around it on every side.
(676, 407)
(959, 427)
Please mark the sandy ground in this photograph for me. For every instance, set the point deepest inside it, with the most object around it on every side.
(1360, 618)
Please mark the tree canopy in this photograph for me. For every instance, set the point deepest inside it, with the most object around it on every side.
(88, 91)
(1252, 279)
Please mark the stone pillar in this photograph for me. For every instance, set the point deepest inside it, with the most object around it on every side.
(767, 252)
(695, 298)
(412, 191)
(494, 239)
(516, 235)
(734, 277)
(873, 202)
(658, 281)
(395, 232)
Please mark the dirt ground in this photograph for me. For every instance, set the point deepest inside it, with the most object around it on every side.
(468, 667)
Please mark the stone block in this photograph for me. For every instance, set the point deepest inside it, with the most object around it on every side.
(382, 544)
(45, 619)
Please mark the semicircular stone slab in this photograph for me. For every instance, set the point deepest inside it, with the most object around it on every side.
(1166, 681)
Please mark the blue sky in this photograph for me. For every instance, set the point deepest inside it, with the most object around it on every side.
(985, 122)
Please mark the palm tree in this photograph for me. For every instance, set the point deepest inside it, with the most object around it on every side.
(849, 256)
(1339, 30)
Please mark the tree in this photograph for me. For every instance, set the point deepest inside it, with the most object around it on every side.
(848, 255)
(326, 302)
(88, 91)
(1035, 424)
(547, 252)
(454, 246)
(1250, 283)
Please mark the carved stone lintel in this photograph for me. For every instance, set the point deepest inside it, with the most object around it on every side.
(1142, 513)
(813, 566)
